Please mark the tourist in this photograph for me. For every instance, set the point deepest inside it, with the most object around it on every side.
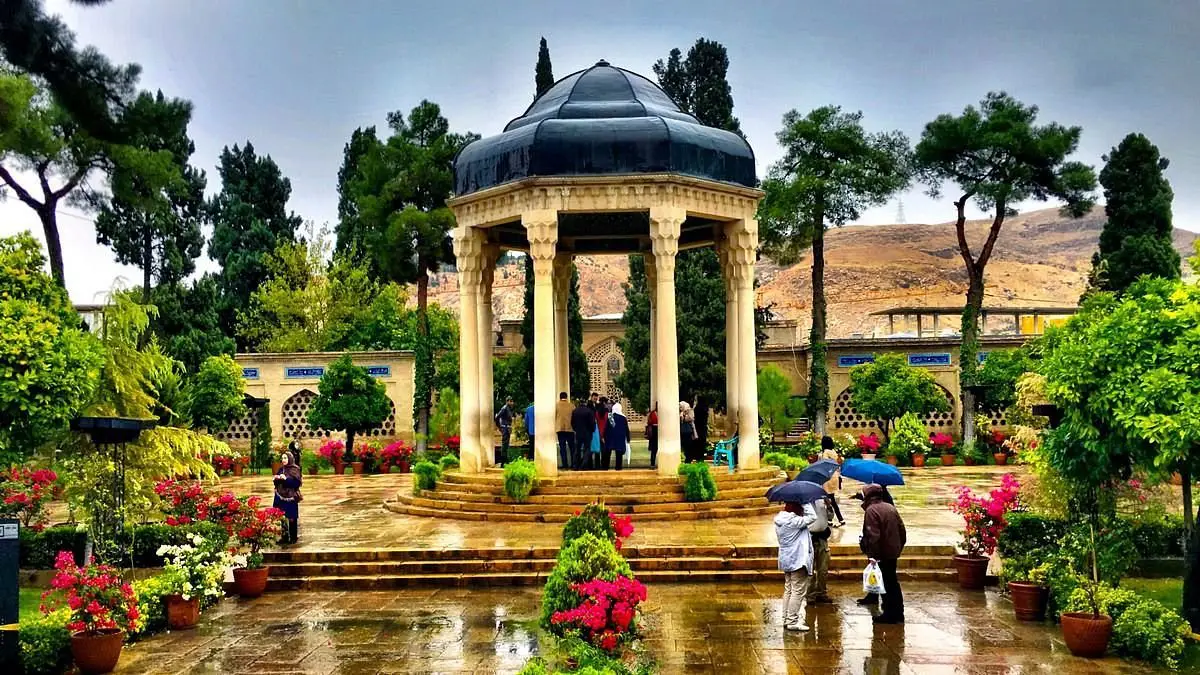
(594, 401)
(701, 413)
(795, 559)
(818, 593)
(834, 484)
(504, 421)
(616, 436)
(583, 423)
(687, 431)
(883, 539)
(562, 425)
(529, 427)
(601, 415)
(652, 435)
(287, 496)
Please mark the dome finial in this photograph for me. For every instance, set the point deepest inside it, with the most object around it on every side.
(601, 63)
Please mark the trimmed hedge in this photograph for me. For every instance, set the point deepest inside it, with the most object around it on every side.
(698, 483)
(39, 549)
(426, 474)
(520, 479)
(45, 644)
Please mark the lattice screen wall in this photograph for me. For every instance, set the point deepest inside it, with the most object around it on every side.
(847, 418)
(241, 430)
(295, 419)
(605, 362)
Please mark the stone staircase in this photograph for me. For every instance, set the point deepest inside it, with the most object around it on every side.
(638, 492)
(383, 569)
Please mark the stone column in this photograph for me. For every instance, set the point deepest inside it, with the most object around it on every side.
(743, 249)
(732, 386)
(562, 348)
(665, 223)
(542, 229)
(487, 394)
(651, 290)
(468, 244)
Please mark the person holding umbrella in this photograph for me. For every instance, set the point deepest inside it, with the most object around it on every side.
(795, 559)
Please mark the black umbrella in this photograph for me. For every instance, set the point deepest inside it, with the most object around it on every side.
(819, 472)
(799, 491)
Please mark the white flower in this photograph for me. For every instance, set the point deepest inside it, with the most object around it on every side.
(162, 550)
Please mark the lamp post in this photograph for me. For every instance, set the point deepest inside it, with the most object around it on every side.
(110, 435)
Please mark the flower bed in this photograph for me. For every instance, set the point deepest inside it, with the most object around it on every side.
(24, 493)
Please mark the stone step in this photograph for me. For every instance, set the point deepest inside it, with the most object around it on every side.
(638, 565)
(629, 551)
(388, 582)
(574, 497)
(717, 510)
(433, 500)
(610, 479)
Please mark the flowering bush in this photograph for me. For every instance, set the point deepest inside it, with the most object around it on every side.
(257, 528)
(368, 454)
(868, 444)
(222, 464)
(984, 516)
(995, 440)
(96, 595)
(332, 451)
(183, 502)
(225, 510)
(942, 442)
(394, 454)
(195, 569)
(452, 442)
(608, 614)
(24, 493)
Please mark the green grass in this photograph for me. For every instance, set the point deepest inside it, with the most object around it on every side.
(29, 599)
(1169, 592)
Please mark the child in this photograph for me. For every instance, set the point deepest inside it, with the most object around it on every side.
(795, 559)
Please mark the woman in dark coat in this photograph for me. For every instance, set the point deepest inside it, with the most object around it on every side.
(700, 449)
(287, 496)
(616, 436)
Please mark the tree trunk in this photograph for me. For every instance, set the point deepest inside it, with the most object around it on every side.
(1191, 576)
(49, 219)
(969, 353)
(147, 264)
(349, 456)
(818, 385)
(423, 386)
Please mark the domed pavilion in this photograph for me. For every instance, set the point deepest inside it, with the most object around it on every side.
(604, 162)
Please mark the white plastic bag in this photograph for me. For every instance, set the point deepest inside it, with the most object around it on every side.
(873, 579)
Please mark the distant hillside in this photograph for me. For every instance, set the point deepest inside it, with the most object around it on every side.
(1041, 259)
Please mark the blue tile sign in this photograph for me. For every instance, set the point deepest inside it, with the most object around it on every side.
(942, 359)
(379, 371)
(303, 372)
(982, 356)
(250, 373)
(855, 360)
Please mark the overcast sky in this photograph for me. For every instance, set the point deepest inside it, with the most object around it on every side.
(295, 77)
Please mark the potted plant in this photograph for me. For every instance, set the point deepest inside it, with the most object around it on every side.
(983, 520)
(1026, 583)
(868, 446)
(997, 442)
(102, 608)
(1087, 633)
(239, 464)
(398, 454)
(908, 439)
(257, 528)
(332, 452)
(191, 571)
(943, 444)
(367, 456)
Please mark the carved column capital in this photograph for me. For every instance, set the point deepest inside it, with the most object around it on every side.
(649, 263)
(468, 254)
(666, 222)
(489, 254)
(541, 227)
(741, 247)
(562, 277)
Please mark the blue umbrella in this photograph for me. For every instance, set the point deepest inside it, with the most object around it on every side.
(872, 471)
(819, 472)
(799, 491)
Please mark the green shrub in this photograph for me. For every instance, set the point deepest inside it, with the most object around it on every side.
(593, 519)
(1029, 533)
(909, 437)
(151, 606)
(38, 549)
(520, 479)
(426, 474)
(1158, 538)
(448, 462)
(778, 459)
(515, 452)
(45, 644)
(1142, 628)
(587, 557)
(698, 483)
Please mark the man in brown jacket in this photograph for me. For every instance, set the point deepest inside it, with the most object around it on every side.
(562, 425)
(883, 539)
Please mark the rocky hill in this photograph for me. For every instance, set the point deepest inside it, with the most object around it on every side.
(1041, 259)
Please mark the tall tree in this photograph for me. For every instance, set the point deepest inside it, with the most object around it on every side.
(155, 225)
(351, 238)
(250, 220)
(544, 72)
(189, 324)
(997, 156)
(699, 83)
(1136, 239)
(830, 171)
(91, 89)
(401, 190)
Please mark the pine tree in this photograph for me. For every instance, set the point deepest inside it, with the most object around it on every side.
(351, 237)
(1136, 239)
(544, 72)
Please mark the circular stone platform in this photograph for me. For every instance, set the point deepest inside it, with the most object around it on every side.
(639, 492)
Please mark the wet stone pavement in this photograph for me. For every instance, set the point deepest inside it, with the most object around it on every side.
(689, 628)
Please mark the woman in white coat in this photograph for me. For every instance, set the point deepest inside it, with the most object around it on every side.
(795, 559)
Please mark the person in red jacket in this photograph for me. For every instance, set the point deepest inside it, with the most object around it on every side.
(883, 539)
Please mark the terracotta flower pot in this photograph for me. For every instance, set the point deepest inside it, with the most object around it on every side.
(357, 468)
(1001, 458)
(313, 469)
(969, 460)
(182, 613)
(893, 460)
(250, 583)
(97, 652)
(972, 571)
(948, 459)
(237, 469)
(338, 468)
(404, 468)
(1029, 600)
(918, 460)
(1086, 635)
